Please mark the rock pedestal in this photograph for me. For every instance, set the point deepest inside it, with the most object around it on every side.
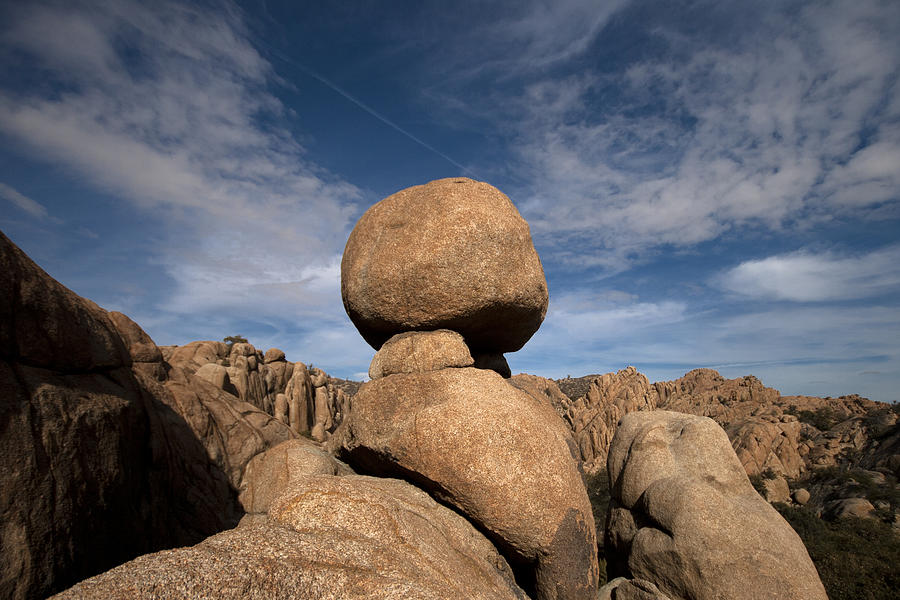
(432, 277)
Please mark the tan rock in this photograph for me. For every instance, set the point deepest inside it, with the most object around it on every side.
(420, 352)
(849, 507)
(800, 496)
(776, 490)
(272, 472)
(105, 460)
(216, 375)
(44, 324)
(191, 357)
(621, 588)
(353, 538)
(299, 393)
(281, 409)
(499, 456)
(452, 254)
(684, 516)
(274, 355)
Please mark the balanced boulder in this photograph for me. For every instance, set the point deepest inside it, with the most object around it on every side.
(420, 352)
(453, 254)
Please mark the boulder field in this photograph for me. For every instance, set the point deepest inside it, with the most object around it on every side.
(217, 470)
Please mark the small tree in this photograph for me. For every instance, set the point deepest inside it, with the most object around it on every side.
(231, 340)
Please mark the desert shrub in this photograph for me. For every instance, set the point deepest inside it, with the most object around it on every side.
(597, 485)
(231, 340)
(823, 418)
(856, 558)
(758, 484)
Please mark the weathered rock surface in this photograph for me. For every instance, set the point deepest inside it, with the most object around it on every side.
(420, 352)
(327, 537)
(849, 507)
(109, 451)
(272, 472)
(593, 418)
(451, 254)
(684, 516)
(621, 588)
(764, 427)
(502, 458)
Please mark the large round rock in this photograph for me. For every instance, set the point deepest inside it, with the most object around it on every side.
(452, 254)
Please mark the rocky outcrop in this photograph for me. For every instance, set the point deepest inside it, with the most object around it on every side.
(452, 254)
(498, 456)
(110, 451)
(594, 416)
(455, 256)
(260, 378)
(785, 435)
(326, 537)
(685, 517)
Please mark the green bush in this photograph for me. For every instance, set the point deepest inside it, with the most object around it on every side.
(822, 419)
(856, 558)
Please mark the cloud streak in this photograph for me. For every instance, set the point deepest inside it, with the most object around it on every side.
(32, 207)
(805, 277)
(167, 107)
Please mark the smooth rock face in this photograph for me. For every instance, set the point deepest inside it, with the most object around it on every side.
(849, 507)
(800, 496)
(452, 254)
(270, 473)
(420, 352)
(498, 455)
(326, 538)
(685, 517)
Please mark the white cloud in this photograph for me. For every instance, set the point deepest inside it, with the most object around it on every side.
(166, 107)
(32, 207)
(807, 277)
(786, 122)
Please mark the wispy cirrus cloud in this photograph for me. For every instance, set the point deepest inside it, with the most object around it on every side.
(167, 107)
(786, 121)
(32, 207)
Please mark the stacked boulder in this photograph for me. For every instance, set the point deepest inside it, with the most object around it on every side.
(441, 280)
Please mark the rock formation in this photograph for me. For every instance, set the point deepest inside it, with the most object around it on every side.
(310, 398)
(685, 517)
(109, 451)
(455, 255)
(765, 428)
(345, 537)
(451, 254)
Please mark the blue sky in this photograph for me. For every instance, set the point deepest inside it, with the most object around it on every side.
(709, 184)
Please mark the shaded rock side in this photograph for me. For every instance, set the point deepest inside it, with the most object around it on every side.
(420, 352)
(104, 461)
(685, 517)
(326, 538)
(451, 254)
(503, 459)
